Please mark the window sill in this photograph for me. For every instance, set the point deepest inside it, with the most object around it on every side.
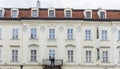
(51, 39)
(105, 62)
(14, 39)
(33, 61)
(33, 38)
(70, 61)
(88, 62)
(88, 40)
(104, 40)
(70, 39)
(14, 61)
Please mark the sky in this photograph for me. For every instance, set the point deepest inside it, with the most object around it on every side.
(75, 4)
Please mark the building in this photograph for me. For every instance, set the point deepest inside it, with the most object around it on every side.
(76, 38)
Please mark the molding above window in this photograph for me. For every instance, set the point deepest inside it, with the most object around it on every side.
(3, 12)
(33, 45)
(68, 9)
(14, 45)
(88, 10)
(104, 46)
(101, 10)
(88, 46)
(70, 45)
(17, 11)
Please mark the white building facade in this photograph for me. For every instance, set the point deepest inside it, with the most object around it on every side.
(25, 43)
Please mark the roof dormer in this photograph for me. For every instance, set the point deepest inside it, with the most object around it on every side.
(68, 12)
(88, 13)
(2, 12)
(51, 12)
(101, 13)
(34, 12)
(14, 12)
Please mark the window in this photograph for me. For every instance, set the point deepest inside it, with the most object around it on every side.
(119, 56)
(88, 56)
(14, 55)
(51, 13)
(105, 56)
(104, 35)
(88, 15)
(51, 33)
(70, 55)
(0, 55)
(33, 55)
(102, 15)
(14, 13)
(1, 13)
(33, 33)
(68, 13)
(34, 13)
(52, 53)
(119, 35)
(70, 34)
(15, 33)
(87, 34)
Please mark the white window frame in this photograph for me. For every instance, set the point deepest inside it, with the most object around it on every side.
(87, 34)
(104, 34)
(105, 56)
(99, 11)
(33, 55)
(70, 33)
(70, 54)
(51, 33)
(51, 9)
(2, 13)
(85, 14)
(65, 12)
(14, 55)
(88, 56)
(33, 33)
(15, 33)
(52, 53)
(15, 14)
(32, 12)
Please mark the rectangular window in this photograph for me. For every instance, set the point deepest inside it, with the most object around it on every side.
(1, 13)
(33, 33)
(119, 35)
(14, 55)
(104, 35)
(87, 34)
(70, 55)
(0, 33)
(34, 13)
(33, 55)
(51, 33)
(88, 15)
(15, 33)
(52, 53)
(51, 13)
(68, 13)
(105, 56)
(102, 15)
(14, 13)
(70, 34)
(88, 56)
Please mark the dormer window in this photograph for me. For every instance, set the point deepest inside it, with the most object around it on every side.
(14, 13)
(51, 13)
(2, 12)
(68, 12)
(102, 15)
(88, 14)
(34, 12)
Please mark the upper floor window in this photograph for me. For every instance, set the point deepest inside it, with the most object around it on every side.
(119, 35)
(14, 55)
(104, 35)
(70, 33)
(68, 13)
(14, 13)
(1, 13)
(51, 13)
(87, 34)
(33, 55)
(70, 55)
(33, 33)
(51, 33)
(34, 13)
(0, 33)
(88, 56)
(102, 15)
(15, 33)
(105, 56)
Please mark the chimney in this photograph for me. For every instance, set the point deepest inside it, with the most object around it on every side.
(38, 4)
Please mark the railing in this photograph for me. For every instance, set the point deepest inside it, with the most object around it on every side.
(56, 62)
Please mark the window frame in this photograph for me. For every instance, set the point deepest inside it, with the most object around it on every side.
(14, 14)
(15, 33)
(87, 34)
(2, 13)
(104, 35)
(70, 33)
(53, 13)
(105, 56)
(51, 33)
(33, 33)
(99, 13)
(85, 13)
(14, 55)
(33, 55)
(32, 12)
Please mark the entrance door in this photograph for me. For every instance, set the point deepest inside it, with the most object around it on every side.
(52, 53)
